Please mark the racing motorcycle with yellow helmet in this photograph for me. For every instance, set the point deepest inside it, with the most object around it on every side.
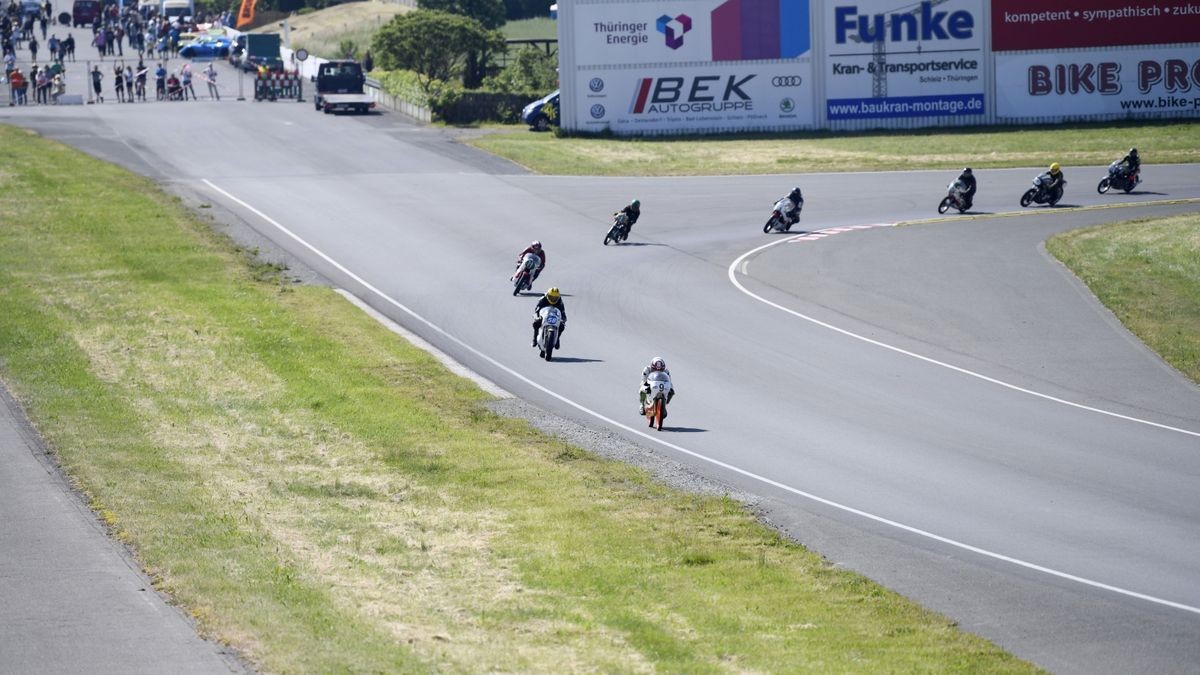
(1047, 188)
(549, 323)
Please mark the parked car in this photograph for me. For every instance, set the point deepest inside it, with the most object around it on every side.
(85, 12)
(543, 112)
(251, 63)
(206, 47)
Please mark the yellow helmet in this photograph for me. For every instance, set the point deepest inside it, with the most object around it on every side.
(552, 295)
(1054, 168)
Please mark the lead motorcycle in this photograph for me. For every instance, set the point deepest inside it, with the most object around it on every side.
(619, 231)
(779, 220)
(1039, 194)
(955, 198)
(522, 279)
(552, 324)
(658, 391)
(1119, 177)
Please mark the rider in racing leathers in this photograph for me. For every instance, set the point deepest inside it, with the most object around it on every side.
(657, 365)
(633, 210)
(552, 298)
(536, 249)
(968, 180)
(1056, 178)
(1133, 164)
(797, 201)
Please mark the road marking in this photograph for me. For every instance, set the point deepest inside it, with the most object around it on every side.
(816, 235)
(680, 449)
(1049, 211)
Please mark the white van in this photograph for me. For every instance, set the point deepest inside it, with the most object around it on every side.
(178, 10)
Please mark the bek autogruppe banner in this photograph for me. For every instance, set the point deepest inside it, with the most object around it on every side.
(1024, 25)
(1128, 82)
(896, 58)
(683, 65)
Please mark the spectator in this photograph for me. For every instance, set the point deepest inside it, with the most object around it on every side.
(58, 87)
(18, 84)
(210, 76)
(119, 82)
(69, 43)
(160, 83)
(129, 84)
(118, 36)
(97, 78)
(42, 87)
(52, 45)
(187, 82)
(44, 21)
(174, 88)
(98, 43)
(10, 64)
(141, 81)
(33, 48)
(109, 39)
(368, 63)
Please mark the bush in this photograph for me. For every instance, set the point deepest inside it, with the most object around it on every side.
(529, 69)
(406, 85)
(454, 105)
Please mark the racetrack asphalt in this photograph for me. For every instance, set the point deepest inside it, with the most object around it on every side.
(1051, 507)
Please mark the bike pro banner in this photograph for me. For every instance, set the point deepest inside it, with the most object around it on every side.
(887, 59)
(1131, 82)
(1024, 25)
(664, 66)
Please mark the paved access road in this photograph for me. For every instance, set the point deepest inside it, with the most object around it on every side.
(1023, 465)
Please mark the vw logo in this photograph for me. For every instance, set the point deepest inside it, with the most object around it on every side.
(787, 105)
(596, 84)
(597, 111)
(786, 81)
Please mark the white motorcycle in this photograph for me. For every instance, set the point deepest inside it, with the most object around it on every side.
(522, 279)
(779, 220)
(658, 391)
(955, 198)
(552, 325)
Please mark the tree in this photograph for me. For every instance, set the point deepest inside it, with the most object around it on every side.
(435, 45)
(529, 70)
(490, 13)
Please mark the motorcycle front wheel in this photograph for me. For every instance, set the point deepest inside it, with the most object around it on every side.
(770, 224)
(608, 237)
(1105, 183)
(1028, 196)
(944, 205)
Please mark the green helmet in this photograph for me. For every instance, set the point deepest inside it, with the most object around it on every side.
(635, 204)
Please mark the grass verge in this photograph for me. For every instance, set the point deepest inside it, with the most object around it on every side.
(1158, 143)
(322, 32)
(325, 497)
(1148, 273)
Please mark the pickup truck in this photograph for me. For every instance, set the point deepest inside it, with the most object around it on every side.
(340, 88)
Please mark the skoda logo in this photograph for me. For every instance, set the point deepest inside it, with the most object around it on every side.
(596, 84)
(787, 105)
(786, 81)
(597, 111)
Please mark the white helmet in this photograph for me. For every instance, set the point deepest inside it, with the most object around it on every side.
(657, 363)
(536, 245)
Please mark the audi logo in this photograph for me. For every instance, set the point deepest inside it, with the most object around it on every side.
(786, 81)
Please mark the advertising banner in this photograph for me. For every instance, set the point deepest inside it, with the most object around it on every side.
(897, 59)
(1072, 24)
(714, 97)
(683, 31)
(1153, 80)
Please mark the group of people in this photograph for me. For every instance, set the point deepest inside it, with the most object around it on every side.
(129, 84)
(657, 370)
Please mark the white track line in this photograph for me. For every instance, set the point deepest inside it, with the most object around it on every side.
(680, 449)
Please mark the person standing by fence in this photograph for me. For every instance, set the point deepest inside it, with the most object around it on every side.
(210, 76)
(186, 76)
(97, 78)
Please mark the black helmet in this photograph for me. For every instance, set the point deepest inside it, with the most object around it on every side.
(795, 192)
(967, 171)
(1133, 152)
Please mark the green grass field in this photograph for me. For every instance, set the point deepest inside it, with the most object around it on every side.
(1148, 273)
(324, 497)
(823, 151)
(541, 28)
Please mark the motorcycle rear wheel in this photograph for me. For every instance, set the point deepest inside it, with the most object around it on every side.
(1105, 183)
(1028, 197)
(944, 205)
(1129, 185)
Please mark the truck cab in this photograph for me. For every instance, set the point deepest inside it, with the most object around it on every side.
(340, 87)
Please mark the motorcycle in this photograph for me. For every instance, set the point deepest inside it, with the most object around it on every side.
(779, 220)
(1040, 195)
(658, 389)
(955, 198)
(1119, 177)
(548, 333)
(522, 279)
(619, 231)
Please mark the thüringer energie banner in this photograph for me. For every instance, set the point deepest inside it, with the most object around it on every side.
(702, 65)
